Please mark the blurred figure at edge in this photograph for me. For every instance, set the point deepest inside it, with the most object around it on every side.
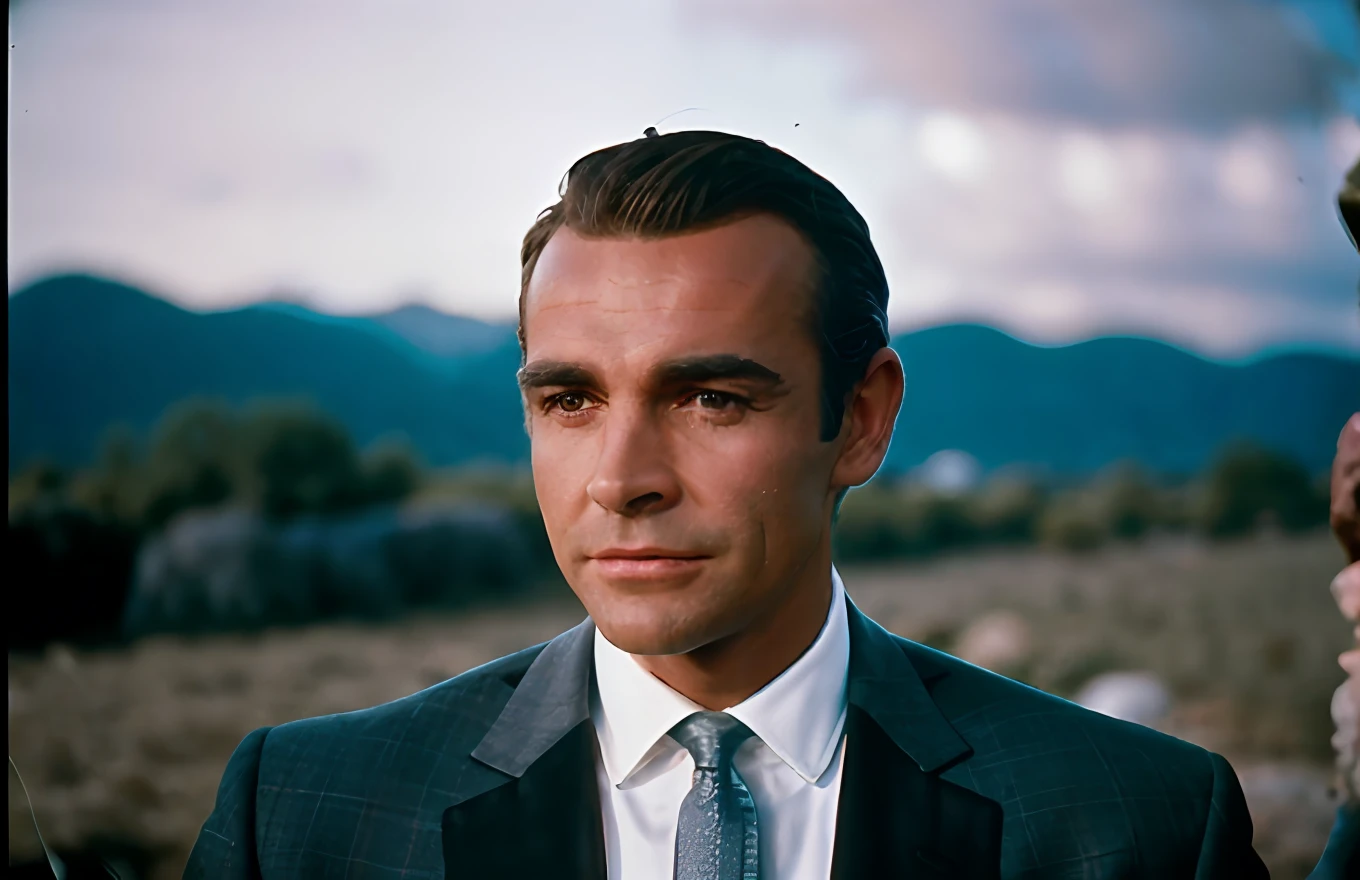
(1342, 856)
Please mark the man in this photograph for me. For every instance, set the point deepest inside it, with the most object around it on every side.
(706, 373)
(1341, 859)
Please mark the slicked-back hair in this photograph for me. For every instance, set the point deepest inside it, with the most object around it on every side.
(688, 181)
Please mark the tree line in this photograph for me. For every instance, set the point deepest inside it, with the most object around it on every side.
(1246, 489)
(74, 534)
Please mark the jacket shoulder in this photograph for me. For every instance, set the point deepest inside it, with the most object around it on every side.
(467, 700)
(1074, 785)
(380, 775)
(429, 732)
(994, 712)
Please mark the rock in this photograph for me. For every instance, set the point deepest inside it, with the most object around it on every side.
(1000, 641)
(1140, 697)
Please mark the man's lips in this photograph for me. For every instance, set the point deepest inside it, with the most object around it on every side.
(645, 562)
(645, 553)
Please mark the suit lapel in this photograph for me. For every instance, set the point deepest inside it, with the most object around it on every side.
(546, 823)
(538, 814)
(533, 808)
(896, 816)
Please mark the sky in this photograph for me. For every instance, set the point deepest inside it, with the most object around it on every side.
(1058, 169)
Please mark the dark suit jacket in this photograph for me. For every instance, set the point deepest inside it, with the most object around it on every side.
(1341, 859)
(950, 771)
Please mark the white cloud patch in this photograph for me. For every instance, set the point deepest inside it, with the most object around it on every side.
(1048, 166)
(1159, 167)
(1207, 63)
(953, 145)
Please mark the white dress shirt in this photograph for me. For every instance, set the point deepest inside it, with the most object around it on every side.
(792, 765)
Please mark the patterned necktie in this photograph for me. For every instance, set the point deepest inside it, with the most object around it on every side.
(715, 838)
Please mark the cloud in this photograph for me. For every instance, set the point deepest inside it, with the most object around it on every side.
(1207, 64)
(1072, 167)
(362, 151)
(1223, 241)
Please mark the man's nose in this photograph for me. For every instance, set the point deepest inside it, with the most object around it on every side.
(633, 474)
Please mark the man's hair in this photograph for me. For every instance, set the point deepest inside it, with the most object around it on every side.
(689, 181)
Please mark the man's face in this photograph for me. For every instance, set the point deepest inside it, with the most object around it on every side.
(672, 388)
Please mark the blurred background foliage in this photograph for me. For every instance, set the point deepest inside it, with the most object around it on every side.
(80, 531)
(1247, 488)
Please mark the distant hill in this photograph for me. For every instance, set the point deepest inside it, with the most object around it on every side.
(1076, 408)
(448, 343)
(86, 352)
(444, 335)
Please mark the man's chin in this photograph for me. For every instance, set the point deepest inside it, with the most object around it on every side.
(654, 639)
(645, 643)
(660, 623)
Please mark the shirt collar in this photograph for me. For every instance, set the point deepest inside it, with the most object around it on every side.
(799, 715)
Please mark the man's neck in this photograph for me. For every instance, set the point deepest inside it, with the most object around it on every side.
(725, 672)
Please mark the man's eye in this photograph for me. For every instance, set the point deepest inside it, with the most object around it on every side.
(568, 402)
(715, 400)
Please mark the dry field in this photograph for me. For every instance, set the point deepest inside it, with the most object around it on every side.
(122, 750)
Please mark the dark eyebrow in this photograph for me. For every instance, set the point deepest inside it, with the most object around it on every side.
(708, 368)
(680, 371)
(552, 374)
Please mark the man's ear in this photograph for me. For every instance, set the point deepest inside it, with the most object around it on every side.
(870, 416)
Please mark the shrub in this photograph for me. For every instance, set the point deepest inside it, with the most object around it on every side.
(872, 524)
(1008, 509)
(1248, 484)
(1072, 523)
(886, 522)
(40, 484)
(233, 569)
(1126, 501)
(391, 471)
(115, 488)
(196, 460)
(938, 521)
(1178, 506)
(301, 462)
(500, 487)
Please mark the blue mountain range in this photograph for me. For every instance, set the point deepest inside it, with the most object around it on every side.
(86, 353)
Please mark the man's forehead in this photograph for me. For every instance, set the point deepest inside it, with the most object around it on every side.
(757, 262)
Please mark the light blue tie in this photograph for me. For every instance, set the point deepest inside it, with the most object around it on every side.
(715, 838)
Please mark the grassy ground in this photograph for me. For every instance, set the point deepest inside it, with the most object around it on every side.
(125, 747)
